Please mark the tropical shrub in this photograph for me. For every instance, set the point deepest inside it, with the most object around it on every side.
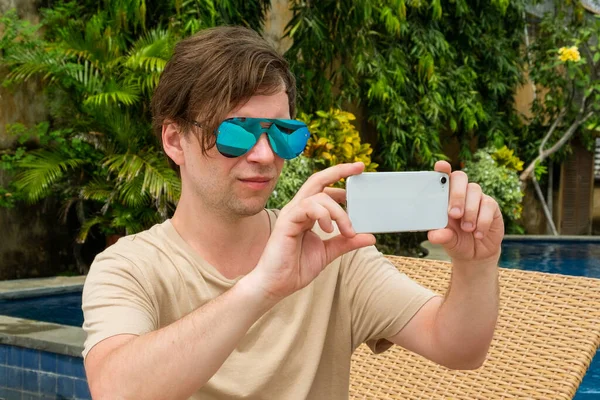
(98, 153)
(335, 140)
(99, 64)
(564, 58)
(424, 72)
(496, 171)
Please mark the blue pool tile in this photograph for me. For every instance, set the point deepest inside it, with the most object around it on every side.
(3, 354)
(77, 368)
(3, 376)
(64, 365)
(48, 362)
(64, 387)
(31, 359)
(14, 378)
(30, 396)
(8, 394)
(47, 384)
(15, 356)
(82, 390)
(31, 382)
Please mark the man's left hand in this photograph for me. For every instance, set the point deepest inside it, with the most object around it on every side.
(475, 227)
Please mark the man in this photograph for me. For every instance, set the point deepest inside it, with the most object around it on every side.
(229, 300)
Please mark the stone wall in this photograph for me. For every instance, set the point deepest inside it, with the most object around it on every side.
(32, 241)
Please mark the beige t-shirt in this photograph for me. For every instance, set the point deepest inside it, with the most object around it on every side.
(300, 349)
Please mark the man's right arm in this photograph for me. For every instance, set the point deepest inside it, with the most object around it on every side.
(175, 361)
(179, 359)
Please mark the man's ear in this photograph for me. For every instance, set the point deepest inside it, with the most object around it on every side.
(171, 139)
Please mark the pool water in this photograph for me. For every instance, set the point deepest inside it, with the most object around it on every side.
(579, 258)
(62, 309)
(558, 257)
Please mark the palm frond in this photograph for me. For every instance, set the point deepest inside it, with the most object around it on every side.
(114, 93)
(97, 190)
(132, 193)
(33, 62)
(90, 41)
(148, 57)
(88, 225)
(133, 220)
(161, 181)
(42, 169)
(88, 76)
(158, 179)
(156, 44)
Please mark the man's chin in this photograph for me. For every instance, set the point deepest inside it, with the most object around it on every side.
(250, 207)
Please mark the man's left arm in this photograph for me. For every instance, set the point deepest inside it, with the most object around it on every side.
(456, 331)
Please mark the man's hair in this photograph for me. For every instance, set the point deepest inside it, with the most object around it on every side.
(213, 72)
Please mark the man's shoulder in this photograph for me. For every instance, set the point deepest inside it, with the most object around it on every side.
(138, 247)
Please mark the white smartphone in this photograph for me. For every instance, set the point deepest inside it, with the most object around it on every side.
(379, 202)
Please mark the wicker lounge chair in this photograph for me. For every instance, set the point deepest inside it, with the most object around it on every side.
(547, 335)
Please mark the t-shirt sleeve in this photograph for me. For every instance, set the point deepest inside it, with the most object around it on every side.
(382, 300)
(116, 300)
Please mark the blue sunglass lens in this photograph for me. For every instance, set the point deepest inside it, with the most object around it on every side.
(288, 145)
(288, 138)
(233, 140)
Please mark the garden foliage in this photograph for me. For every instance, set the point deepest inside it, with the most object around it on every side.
(99, 63)
(424, 72)
(496, 171)
(334, 140)
(564, 64)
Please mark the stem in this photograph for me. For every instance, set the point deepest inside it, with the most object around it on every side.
(529, 56)
(547, 213)
(525, 174)
(546, 153)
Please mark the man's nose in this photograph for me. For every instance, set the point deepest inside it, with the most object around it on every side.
(261, 152)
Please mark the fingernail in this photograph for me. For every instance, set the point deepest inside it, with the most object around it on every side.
(478, 235)
(455, 211)
(467, 225)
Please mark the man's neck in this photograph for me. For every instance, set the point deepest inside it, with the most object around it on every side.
(231, 244)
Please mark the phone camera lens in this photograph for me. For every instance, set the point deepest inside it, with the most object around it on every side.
(443, 180)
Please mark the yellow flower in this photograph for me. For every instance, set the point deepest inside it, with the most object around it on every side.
(569, 54)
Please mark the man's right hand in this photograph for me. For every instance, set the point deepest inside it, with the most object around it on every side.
(294, 255)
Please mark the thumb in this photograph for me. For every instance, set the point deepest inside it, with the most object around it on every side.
(445, 237)
(340, 245)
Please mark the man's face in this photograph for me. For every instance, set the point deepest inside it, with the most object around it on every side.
(236, 186)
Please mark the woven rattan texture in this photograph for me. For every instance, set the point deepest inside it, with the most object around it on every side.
(547, 334)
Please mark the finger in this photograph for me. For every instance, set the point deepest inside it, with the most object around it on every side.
(446, 237)
(337, 213)
(488, 210)
(443, 166)
(472, 204)
(340, 245)
(458, 194)
(320, 180)
(307, 213)
(337, 194)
